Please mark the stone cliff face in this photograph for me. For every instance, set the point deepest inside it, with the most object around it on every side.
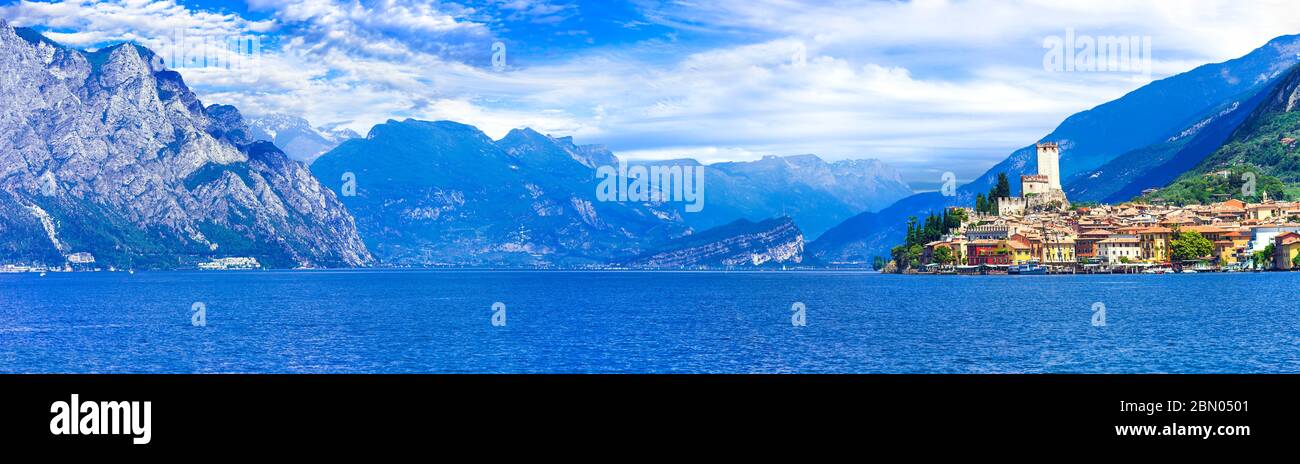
(108, 152)
(739, 244)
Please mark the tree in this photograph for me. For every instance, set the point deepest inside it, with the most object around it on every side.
(1189, 246)
(911, 230)
(1295, 262)
(877, 263)
(1003, 189)
(943, 255)
(957, 217)
(981, 205)
(1262, 259)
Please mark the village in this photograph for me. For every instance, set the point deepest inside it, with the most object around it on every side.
(1039, 233)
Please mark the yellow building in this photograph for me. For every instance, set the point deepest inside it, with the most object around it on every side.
(1021, 251)
(1154, 242)
(1059, 250)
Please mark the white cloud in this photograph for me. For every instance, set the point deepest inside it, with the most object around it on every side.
(922, 85)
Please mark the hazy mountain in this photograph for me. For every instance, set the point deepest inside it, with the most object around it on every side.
(816, 194)
(297, 137)
(739, 244)
(444, 193)
(1164, 127)
(108, 152)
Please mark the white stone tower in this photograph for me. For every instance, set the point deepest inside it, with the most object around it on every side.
(1049, 164)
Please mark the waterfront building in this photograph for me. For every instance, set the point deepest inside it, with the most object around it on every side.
(1059, 250)
(1286, 247)
(1262, 235)
(1021, 252)
(1085, 246)
(987, 252)
(1119, 249)
(222, 264)
(1154, 242)
(81, 258)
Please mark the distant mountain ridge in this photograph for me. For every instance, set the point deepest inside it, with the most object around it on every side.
(297, 137)
(109, 153)
(816, 194)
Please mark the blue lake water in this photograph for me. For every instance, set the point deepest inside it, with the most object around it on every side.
(440, 321)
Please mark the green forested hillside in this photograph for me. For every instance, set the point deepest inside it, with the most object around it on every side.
(1264, 148)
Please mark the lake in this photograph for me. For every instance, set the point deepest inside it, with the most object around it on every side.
(391, 321)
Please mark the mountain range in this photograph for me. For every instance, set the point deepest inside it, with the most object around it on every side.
(108, 152)
(444, 193)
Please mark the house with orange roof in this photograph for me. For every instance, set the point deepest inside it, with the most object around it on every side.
(1020, 248)
(1212, 233)
(1286, 247)
(1085, 246)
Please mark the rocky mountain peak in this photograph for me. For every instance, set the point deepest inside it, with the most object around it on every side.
(110, 153)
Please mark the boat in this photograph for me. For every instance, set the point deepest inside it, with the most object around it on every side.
(1028, 268)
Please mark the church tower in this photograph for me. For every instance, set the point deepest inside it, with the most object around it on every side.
(1049, 164)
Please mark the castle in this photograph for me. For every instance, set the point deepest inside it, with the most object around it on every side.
(1041, 191)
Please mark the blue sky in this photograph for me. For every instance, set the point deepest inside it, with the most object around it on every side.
(928, 86)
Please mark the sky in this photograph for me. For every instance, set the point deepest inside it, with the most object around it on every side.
(929, 86)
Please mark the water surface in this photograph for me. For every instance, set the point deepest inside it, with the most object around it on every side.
(379, 321)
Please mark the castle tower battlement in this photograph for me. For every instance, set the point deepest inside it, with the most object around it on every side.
(1049, 164)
